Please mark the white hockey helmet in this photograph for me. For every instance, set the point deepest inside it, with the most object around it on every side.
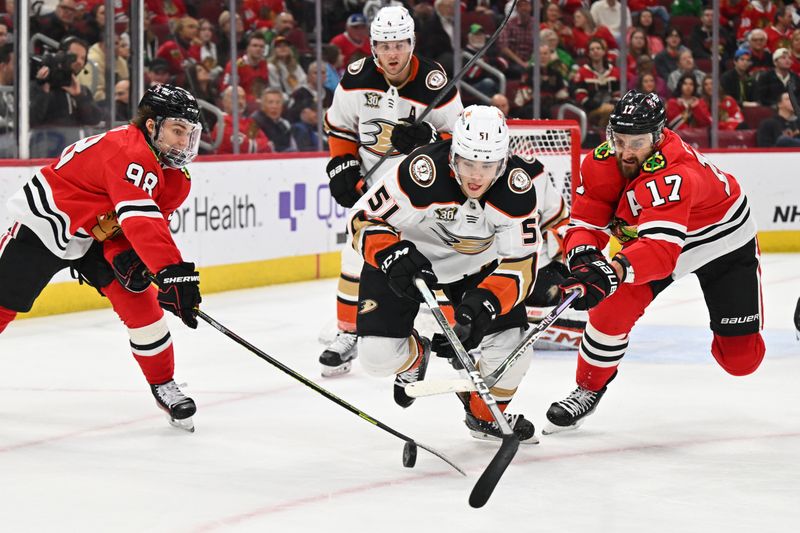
(480, 134)
(392, 23)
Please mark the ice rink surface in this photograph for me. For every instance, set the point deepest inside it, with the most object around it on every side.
(676, 444)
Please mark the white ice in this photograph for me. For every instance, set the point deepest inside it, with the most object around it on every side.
(676, 445)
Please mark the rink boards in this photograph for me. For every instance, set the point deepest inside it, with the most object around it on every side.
(257, 220)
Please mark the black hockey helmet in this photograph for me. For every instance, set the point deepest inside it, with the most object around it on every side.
(167, 102)
(637, 113)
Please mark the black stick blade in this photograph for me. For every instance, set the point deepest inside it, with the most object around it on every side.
(491, 476)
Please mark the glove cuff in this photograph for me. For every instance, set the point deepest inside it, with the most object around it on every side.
(490, 304)
(385, 258)
(582, 254)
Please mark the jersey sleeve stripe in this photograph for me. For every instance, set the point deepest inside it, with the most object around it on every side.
(662, 224)
(577, 223)
(128, 211)
(663, 234)
(55, 222)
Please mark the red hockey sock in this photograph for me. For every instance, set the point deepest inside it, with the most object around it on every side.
(592, 377)
(6, 317)
(740, 355)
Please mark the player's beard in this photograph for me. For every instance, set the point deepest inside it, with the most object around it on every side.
(629, 170)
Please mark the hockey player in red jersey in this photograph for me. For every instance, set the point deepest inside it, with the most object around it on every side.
(370, 115)
(461, 215)
(102, 210)
(674, 213)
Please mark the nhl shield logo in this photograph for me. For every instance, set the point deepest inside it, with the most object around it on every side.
(422, 171)
(435, 80)
(519, 181)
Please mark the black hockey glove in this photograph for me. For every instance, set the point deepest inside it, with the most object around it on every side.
(344, 172)
(130, 271)
(580, 255)
(596, 280)
(179, 291)
(402, 262)
(474, 315)
(407, 135)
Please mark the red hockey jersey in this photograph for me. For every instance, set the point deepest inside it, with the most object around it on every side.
(680, 213)
(99, 186)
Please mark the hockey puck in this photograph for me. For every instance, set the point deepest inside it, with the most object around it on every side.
(409, 454)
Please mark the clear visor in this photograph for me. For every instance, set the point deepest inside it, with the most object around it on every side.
(178, 141)
(628, 141)
(471, 169)
(391, 47)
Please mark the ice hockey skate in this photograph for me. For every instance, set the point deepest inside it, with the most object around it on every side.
(415, 373)
(483, 430)
(337, 359)
(570, 412)
(178, 406)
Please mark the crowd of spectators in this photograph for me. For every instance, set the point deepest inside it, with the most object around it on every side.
(187, 42)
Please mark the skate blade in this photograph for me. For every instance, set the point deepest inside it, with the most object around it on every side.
(333, 371)
(186, 424)
(552, 429)
(480, 435)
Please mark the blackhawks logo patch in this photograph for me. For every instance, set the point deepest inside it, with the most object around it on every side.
(602, 152)
(654, 163)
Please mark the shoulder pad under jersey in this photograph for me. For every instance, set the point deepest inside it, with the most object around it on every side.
(363, 75)
(424, 176)
(428, 83)
(513, 193)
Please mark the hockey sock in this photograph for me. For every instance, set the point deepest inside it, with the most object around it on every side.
(591, 377)
(6, 317)
(740, 355)
(347, 303)
(479, 409)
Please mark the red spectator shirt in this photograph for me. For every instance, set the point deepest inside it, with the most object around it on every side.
(580, 39)
(348, 47)
(755, 15)
(252, 140)
(252, 78)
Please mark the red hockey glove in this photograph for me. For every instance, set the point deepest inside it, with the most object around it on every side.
(179, 291)
(402, 262)
(344, 172)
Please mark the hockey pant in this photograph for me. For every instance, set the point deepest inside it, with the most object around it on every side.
(731, 287)
(386, 345)
(347, 291)
(27, 266)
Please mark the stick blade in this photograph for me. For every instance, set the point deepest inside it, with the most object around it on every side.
(419, 389)
(491, 476)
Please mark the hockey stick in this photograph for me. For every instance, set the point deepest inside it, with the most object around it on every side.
(409, 452)
(491, 476)
(439, 97)
(433, 387)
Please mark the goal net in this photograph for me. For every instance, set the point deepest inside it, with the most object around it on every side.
(555, 143)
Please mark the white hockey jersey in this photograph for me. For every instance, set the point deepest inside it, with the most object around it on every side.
(553, 217)
(422, 202)
(366, 107)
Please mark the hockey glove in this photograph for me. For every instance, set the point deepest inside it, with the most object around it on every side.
(130, 271)
(402, 262)
(596, 280)
(580, 255)
(407, 135)
(344, 172)
(179, 291)
(797, 318)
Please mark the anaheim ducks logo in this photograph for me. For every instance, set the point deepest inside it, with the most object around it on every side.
(464, 245)
(623, 231)
(378, 141)
(356, 66)
(367, 306)
(519, 181)
(422, 170)
(435, 80)
(654, 163)
(603, 151)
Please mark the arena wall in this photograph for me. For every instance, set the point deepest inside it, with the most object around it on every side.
(261, 220)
